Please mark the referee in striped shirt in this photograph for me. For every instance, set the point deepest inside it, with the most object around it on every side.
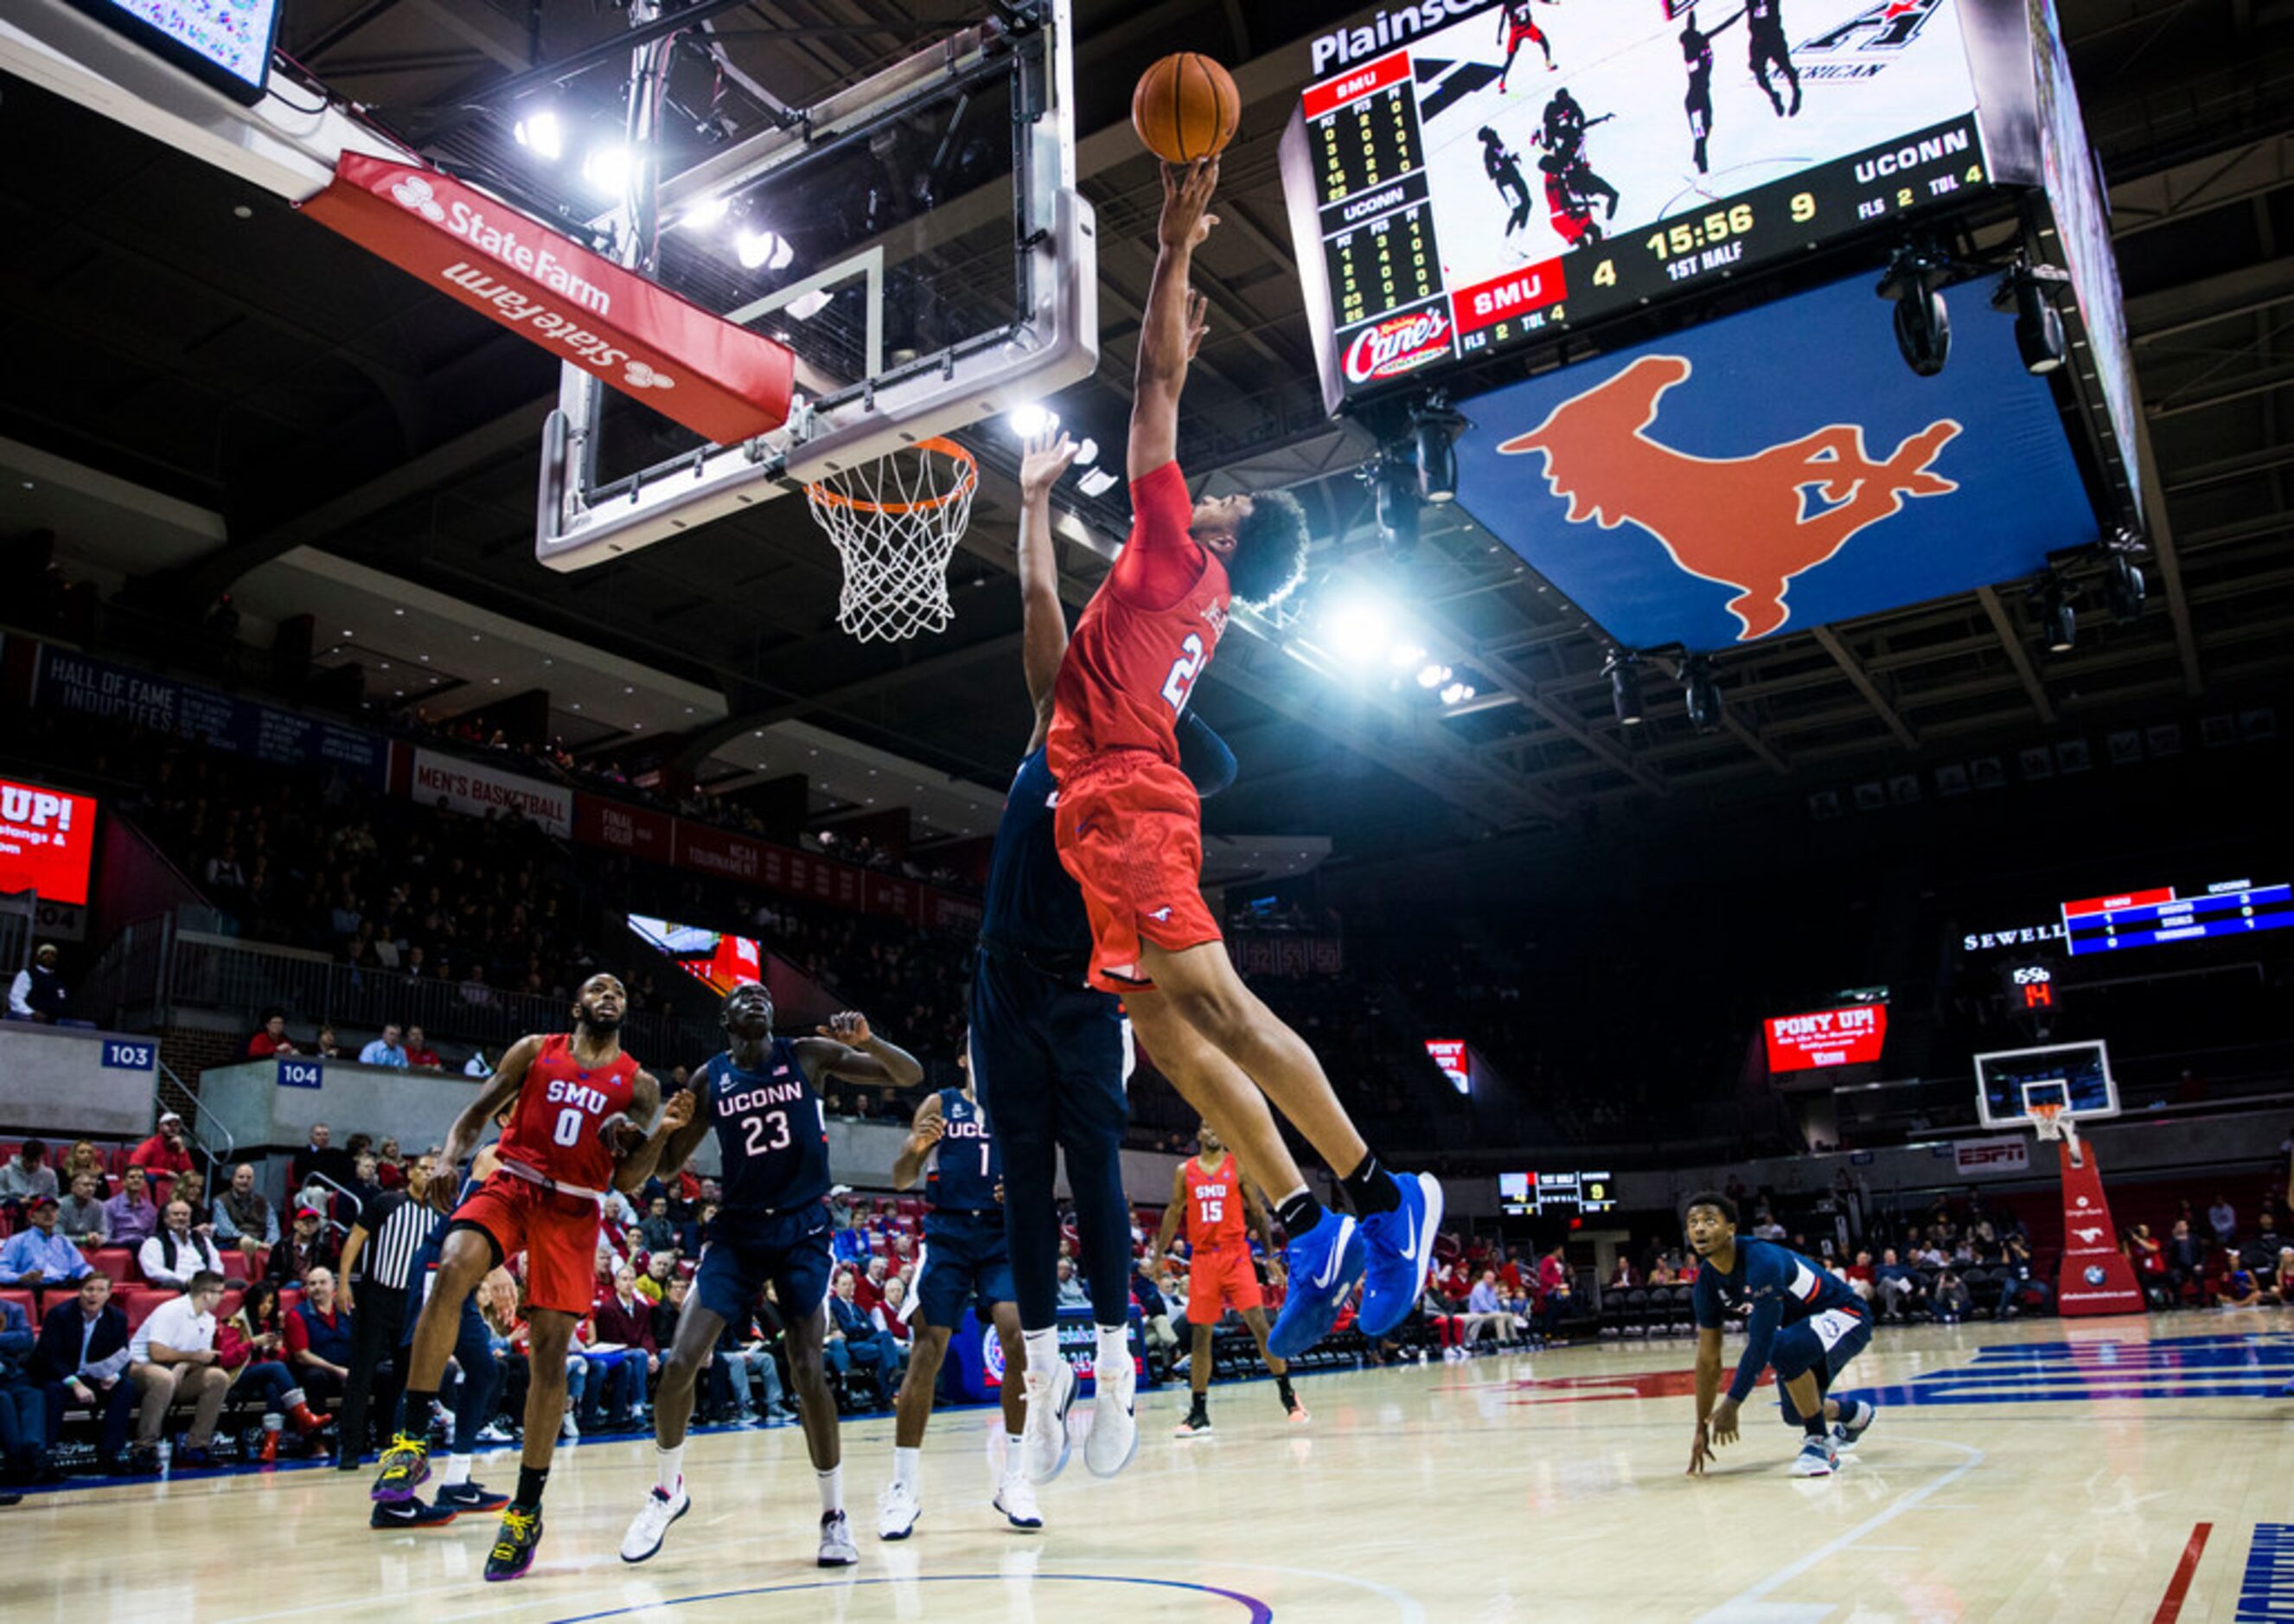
(377, 1262)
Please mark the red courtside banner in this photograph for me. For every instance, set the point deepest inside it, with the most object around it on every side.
(718, 380)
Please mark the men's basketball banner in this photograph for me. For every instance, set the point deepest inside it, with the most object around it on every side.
(476, 790)
(2008, 1153)
(721, 381)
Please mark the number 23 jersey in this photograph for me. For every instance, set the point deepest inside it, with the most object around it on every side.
(1144, 639)
(772, 1133)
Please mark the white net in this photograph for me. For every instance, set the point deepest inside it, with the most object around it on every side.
(895, 523)
(2054, 1122)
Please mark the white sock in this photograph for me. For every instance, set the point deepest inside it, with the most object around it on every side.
(457, 1471)
(1015, 1461)
(1114, 1349)
(1043, 1351)
(832, 1489)
(904, 1465)
(669, 1469)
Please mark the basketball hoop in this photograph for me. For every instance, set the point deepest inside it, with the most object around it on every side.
(2053, 1124)
(895, 523)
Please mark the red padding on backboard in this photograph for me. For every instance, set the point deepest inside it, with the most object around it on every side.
(718, 380)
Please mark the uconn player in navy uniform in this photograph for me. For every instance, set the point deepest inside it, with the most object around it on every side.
(1806, 1323)
(1049, 1054)
(758, 1097)
(964, 1257)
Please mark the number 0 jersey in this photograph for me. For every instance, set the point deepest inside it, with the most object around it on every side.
(964, 1164)
(561, 1106)
(772, 1134)
(1144, 639)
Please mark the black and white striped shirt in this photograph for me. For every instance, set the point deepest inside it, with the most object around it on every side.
(395, 1226)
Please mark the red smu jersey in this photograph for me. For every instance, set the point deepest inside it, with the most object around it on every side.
(1144, 637)
(1214, 1205)
(561, 1105)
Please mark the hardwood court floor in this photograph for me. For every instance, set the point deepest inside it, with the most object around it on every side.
(2029, 1471)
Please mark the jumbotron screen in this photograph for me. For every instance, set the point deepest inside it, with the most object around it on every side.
(718, 961)
(2151, 919)
(227, 43)
(1463, 176)
(1849, 1036)
(1529, 1194)
(48, 839)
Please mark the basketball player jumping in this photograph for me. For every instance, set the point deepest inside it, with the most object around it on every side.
(1517, 26)
(1504, 171)
(772, 1138)
(964, 1256)
(1696, 53)
(1129, 828)
(575, 1105)
(1050, 1055)
(1210, 1195)
(1764, 30)
(1807, 1323)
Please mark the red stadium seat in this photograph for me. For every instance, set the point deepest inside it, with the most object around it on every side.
(228, 1306)
(23, 1300)
(118, 1262)
(140, 1301)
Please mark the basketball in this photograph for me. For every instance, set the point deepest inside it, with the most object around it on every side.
(1186, 107)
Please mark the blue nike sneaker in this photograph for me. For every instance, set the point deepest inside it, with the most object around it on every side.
(1322, 1266)
(1399, 1245)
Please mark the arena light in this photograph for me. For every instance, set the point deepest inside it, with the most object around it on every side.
(2038, 328)
(542, 135)
(760, 251)
(1458, 693)
(1355, 629)
(1435, 428)
(607, 170)
(1029, 420)
(807, 305)
(707, 213)
(2126, 588)
(1403, 656)
(1088, 452)
(1701, 687)
(1625, 688)
(1432, 675)
(1096, 482)
(2058, 619)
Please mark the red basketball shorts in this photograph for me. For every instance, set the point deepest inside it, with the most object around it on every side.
(1130, 831)
(1218, 1280)
(558, 1234)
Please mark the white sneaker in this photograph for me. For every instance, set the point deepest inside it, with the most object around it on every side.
(569, 1431)
(651, 1525)
(1045, 1440)
(1817, 1458)
(836, 1547)
(1016, 1500)
(1114, 1428)
(493, 1431)
(897, 1511)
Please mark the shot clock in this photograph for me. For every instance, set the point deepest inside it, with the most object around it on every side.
(1451, 196)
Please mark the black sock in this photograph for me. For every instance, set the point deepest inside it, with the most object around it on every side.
(1201, 1405)
(1814, 1426)
(1369, 1188)
(530, 1485)
(1282, 1386)
(417, 1412)
(1299, 1213)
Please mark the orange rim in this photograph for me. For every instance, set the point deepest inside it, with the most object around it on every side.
(969, 477)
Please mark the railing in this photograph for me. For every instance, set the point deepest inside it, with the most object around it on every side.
(170, 1093)
(154, 968)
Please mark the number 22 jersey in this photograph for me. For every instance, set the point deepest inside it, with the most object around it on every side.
(772, 1134)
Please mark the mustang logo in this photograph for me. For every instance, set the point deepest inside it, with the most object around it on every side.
(1751, 523)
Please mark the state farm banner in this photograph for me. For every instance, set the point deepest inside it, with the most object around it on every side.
(619, 827)
(719, 380)
(477, 789)
(2007, 1153)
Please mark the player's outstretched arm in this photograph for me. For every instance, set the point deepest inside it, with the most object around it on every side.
(1254, 1214)
(635, 1168)
(1172, 1214)
(1161, 372)
(847, 1049)
(925, 1131)
(1708, 1390)
(500, 1089)
(1043, 617)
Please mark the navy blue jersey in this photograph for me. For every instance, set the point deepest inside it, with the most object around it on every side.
(964, 1164)
(772, 1134)
(1033, 904)
(423, 1272)
(1779, 1287)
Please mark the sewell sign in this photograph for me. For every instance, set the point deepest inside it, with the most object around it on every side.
(1826, 1037)
(719, 380)
(46, 837)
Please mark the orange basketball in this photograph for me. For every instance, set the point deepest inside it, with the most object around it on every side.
(1186, 107)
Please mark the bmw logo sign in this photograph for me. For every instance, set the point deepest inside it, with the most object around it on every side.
(2094, 1275)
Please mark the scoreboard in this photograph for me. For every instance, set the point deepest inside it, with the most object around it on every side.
(1451, 197)
(2147, 919)
(1529, 1194)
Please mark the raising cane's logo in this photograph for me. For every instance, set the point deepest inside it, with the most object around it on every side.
(1397, 344)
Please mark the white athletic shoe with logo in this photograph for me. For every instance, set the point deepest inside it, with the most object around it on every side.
(897, 1511)
(1817, 1458)
(1015, 1498)
(836, 1547)
(1044, 1441)
(651, 1526)
(1114, 1427)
